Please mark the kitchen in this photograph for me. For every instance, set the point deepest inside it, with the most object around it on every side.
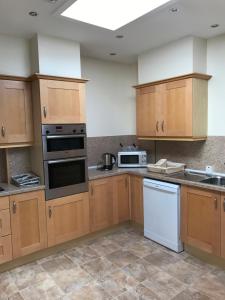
(65, 101)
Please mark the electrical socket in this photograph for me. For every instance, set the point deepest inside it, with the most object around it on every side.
(209, 169)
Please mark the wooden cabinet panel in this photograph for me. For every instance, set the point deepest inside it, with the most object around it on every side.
(101, 203)
(121, 199)
(136, 198)
(5, 228)
(5, 249)
(223, 225)
(4, 202)
(28, 223)
(67, 218)
(16, 110)
(62, 102)
(200, 219)
(177, 109)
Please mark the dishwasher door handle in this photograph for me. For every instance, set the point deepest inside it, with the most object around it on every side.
(161, 188)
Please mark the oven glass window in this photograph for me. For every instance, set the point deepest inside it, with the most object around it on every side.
(129, 159)
(64, 144)
(66, 173)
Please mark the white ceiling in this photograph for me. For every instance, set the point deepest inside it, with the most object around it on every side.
(154, 29)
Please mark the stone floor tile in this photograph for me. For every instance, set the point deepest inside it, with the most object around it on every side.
(82, 254)
(16, 296)
(161, 258)
(122, 258)
(121, 238)
(141, 248)
(54, 265)
(199, 263)
(183, 271)
(7, 285)
(71, 279)
(139, 293)
(191, 294)
(45, 289)
(211, 286)
(118, 282)
(140, 270)
(163, 285)
(99, 268)
(29, 274)
(104, 246)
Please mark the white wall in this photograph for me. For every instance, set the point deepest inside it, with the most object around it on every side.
(216, 68)
(14, 56)
(180, 57)
(110, 97)
(58, 57)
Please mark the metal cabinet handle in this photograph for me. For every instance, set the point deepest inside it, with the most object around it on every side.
(50, 212)
(45, 111)
(163, 126)
(3, 131)
(224, 204)
(14, 207)
(157, 126)
(215, 203)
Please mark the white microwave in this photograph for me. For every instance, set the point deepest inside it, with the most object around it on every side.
(132, 159)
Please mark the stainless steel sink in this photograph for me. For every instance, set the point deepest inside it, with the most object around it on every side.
(217, 180)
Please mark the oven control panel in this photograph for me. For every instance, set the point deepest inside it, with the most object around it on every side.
(62, 129)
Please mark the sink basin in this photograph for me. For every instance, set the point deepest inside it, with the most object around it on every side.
(215, 180)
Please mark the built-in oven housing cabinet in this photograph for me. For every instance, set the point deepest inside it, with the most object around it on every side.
(64, 141)
(64, 177)
(132, 159)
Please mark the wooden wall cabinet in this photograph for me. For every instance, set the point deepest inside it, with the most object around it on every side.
(121, 198)
(67, 218)
(28, 223)
(61, 100)
(200, 219)
(223, 225)
(101, 203)
(5, 231)
(15, 113)
(173, 109)
(136, 199)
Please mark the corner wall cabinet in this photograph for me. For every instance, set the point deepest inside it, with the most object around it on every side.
(15, 113)
(61, 100)
(173, 109)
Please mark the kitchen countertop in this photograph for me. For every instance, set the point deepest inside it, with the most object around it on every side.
(180, 178)
(10, 189)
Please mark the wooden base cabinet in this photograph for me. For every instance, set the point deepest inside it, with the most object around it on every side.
(200, 219)
(5, 249)
(101, 203)
(67, 218)
(121, 199)
(136, 198)
(223, 225)
(5, 231)
(28, 223)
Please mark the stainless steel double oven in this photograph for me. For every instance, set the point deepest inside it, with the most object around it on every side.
(65, 159)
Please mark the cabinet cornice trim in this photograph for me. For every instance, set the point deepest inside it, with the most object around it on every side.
(12, 77)
(191, 75)
(59, 78)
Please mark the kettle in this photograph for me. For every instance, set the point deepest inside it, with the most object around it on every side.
(108, 161)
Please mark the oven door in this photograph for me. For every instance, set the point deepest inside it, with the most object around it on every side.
(129, 160)
(60, 146)
(65, 177)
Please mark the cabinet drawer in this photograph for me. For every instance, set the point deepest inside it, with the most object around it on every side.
(5, 228)
(4, 203)
(5, 249)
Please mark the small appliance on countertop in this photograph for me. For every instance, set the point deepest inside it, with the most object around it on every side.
(108, 161)
(132, 157)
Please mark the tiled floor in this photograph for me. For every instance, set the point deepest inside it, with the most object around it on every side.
(121, 265)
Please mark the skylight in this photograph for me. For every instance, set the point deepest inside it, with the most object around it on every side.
(110, 14)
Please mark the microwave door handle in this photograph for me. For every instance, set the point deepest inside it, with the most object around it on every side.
(49, 137)
(50, 162)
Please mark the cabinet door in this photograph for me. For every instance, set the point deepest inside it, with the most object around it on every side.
(121, 199)
(200, 219)
(177, 109)
(62, 102)
(28, 223)
(147, 105)
(5, 249)
(67, 218)
(5, 228)
(16, 108)
(223, 225)
(136, 195)
(101, 203)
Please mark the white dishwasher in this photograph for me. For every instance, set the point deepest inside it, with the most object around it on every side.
(162, 213)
